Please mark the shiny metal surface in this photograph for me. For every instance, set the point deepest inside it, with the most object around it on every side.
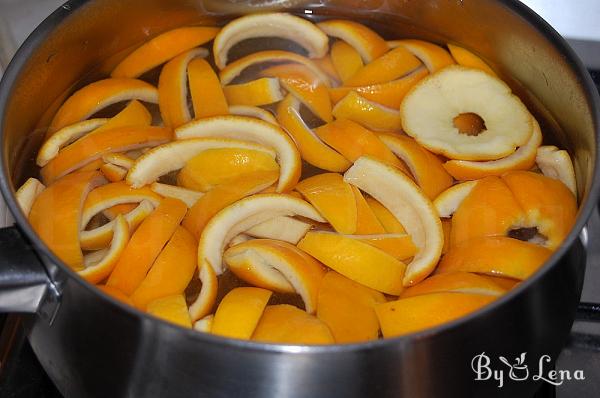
(100, 348)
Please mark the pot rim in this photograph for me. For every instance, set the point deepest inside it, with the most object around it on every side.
(37, 37)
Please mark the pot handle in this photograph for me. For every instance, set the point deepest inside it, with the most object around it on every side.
(25, 286)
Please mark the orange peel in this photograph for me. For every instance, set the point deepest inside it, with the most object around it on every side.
(394, 64)
(56, 214)
(162, 48)
(399, 194)
(464, 57)
(204, 324)
(207, 94)
(283, 25)
(249, 260)
(27, 193)
(557, 164)
(253, 111)
(461, 282)
(98, 265)
(433, 56)
(311, 148)
(98, 95)
(262, 91)
(239, 311)
(112, 172)
(285, 229)
(172, 309)
(367, 113)
(345, 59)
(367, 222)
(400, 246)
(187, 196)
(385, 217)
(174, 155)
(254, 130)
(448, 201)
(368, 43)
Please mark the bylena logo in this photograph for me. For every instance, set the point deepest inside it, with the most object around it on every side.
(519, 371)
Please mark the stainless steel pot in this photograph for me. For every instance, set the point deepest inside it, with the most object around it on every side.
(93, 346)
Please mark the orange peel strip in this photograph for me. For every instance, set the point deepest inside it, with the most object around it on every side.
(496, 256)
(390, 66)
(173, 156)
(285, 229)
(27, 194)
(387, 219)
(234, 69)
(256, 256)
(171, 272)
(389, 94)
(557, 164)
(145, 245)
(523, 158)
(368, 43)
(346, 60)
(414, 314)
(243, 215)
(466, 58)
(253, 111)
(426, 168)
(173, 88)
(205, 301)
(282, 25)
(98, 265)
(187, 196)
(448, 201)
(263, 91)
(286, 324)
(56, 214)
(98, 95)
(239, 312)
(205, 324)
(434, 57)
(254, 130)
(207, 94)
(348, 309)
(400, 246)
(118, 159)
(367, 113)
(312, 149)
(461, 282)
(112, 172)
(93, 146)
(171, 309)
(367, 222)
(399, 194)
(100, 237)
(162, 48)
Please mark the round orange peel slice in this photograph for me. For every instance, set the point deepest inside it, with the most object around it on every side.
(243, 215)
(367, 222)
(64, 137)
(285, 229)
(206, 91)
(461, 282)
(333, 198)
(112, 194)
(464, 57)
(346, 60)
(95, 145)
(254, 130)
(286, 324)
(262, 91)
(162, 48)
(490, 208)
(253, 111)
(145, 245)
(556, 164)
(353, 141)
(207, 297)
(361, 262)
(426, 168)
(99, 238)
(174, 155)
(239, 311)
(448, 201)
(281, 25)
(98, 265)
(112, 172)
(548, 204)
(429, 109)
(56, 214)
(394, 64)
(311, 148)
(524, 158)
(367, 113)
(171, 309)
(27, 193)
(348, 309)
(414, 314)
(98, 95)
(300, 270)
(224, 195)
(215, 167)
(403, 198)
(303, 84)
(433, 56)
(187, 196)
(389, 94)
(496, 256)
(173, 88)
(234, 69)
(171, 272)
(368, 43)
